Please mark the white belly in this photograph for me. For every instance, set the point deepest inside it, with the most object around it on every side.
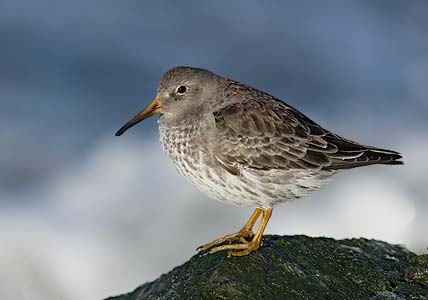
(262, 189)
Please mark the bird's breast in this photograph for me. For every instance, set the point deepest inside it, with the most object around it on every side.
(192, 155)
(184, 146)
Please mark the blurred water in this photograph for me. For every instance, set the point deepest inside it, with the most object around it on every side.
(85, 215)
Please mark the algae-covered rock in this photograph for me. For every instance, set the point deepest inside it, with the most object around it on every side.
(297, 267)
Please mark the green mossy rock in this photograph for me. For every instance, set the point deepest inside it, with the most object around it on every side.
(297, 267)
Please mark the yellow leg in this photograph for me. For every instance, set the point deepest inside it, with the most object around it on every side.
(247, 247)
(245, 232)
(256, 242)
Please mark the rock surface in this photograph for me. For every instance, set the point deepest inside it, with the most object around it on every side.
(297, 267)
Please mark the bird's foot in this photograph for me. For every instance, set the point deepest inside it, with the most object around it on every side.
(241, 236)
(241, 249)
(244, 246)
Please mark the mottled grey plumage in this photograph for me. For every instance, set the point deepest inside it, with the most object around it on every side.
(243, 146)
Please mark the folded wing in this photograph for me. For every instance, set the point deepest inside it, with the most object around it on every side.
(268, 134)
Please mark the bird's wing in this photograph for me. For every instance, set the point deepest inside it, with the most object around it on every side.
(268, 135)
(265, 135)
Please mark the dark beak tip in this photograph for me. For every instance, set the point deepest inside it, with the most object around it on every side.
(120, 131)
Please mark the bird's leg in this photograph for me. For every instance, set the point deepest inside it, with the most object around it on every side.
(245, 232)
(248, 247)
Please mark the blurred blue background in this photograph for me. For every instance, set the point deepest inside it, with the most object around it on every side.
(86, 215)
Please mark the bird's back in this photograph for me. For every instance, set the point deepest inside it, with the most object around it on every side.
(266, 131)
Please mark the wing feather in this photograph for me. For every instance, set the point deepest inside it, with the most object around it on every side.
(269, 135)
(262, 136)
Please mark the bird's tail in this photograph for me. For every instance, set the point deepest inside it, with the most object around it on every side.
(352, 155)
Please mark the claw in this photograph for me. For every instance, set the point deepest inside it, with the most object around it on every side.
(244, 246)
(242, 234)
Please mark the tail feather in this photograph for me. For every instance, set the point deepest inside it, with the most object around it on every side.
(368, 157)
(351, 155)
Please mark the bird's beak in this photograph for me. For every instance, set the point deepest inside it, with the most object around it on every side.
(152, 109)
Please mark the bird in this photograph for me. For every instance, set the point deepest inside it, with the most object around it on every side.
(245, 147)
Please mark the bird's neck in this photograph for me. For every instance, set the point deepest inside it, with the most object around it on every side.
(176, 120)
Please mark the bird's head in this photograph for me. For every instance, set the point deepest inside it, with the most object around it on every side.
(182, 92)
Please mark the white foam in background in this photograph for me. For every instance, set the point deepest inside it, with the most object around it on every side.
(123, 216)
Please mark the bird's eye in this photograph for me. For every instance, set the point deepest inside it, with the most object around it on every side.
(181, 89)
